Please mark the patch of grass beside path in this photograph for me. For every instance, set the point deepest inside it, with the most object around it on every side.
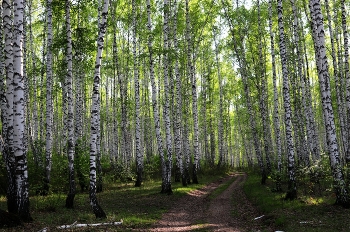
(138, 207)
(310, 212)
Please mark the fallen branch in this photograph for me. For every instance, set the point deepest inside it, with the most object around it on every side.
(75, 225)
(259, 217)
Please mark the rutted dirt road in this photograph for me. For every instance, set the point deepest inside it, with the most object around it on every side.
(229, 211)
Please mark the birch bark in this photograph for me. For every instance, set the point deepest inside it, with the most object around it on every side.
(95, 113)
(292, 190)
(7, 129)
(70, 116)
(139, 151)
(324, 82)
(192, 77)
(166, 184)
(49, 109)
(20, 153)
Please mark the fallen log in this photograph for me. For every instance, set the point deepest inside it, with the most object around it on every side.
(76, 225)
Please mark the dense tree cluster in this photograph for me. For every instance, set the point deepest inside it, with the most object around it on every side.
(197, 84)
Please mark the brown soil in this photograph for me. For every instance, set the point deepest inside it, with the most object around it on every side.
(229, 211)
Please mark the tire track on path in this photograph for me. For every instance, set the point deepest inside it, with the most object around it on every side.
(229, 211)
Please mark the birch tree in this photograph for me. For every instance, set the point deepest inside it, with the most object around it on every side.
(166, 182)
(292, 190)
(220, 118)
(166, 107)
(20, 152)
(264, 108)
(178, 115)
(7, 114)
(192, 76)
(276, 119)
(324, 82)
(49, 108)
(69, 99)
(95, 113)
(139, 150)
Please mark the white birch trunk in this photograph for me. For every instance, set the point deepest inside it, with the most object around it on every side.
(276, 118)
(22, 185)
(264, 99)
(138, 145)
(95, 113)
(70, 116)
(49, 108)
(8, 155)
(166, 107)
(165, 185)
(179, 172)
(192, 76)
(292, 191)
(336, 80)
(220, 119)
(346, 69)
(324, 81)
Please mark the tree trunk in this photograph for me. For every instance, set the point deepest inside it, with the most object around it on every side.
(292, 190)
(49, 108)
(220, 119)
(179, 170)
(166, 107)
(138, 145)
(21, 177)
(69, 99)
(264, 107)
(192, 76)
(7, 129)
(276, 118)
(166, 185)
(324, 81)
(95, 113)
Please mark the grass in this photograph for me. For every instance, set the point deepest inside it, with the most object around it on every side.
(138, 207)
(312, 211)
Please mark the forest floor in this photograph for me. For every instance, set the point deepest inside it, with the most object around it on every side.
(206, 210)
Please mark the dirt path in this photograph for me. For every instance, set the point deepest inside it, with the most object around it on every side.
(229, 211)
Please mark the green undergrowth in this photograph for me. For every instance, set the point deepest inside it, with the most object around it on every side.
(138, 207)
(311, 211)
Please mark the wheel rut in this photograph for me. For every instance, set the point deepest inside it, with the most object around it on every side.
(229, 211)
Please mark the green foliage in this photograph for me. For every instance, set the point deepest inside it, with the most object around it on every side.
(310, 212)
(82, 164)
